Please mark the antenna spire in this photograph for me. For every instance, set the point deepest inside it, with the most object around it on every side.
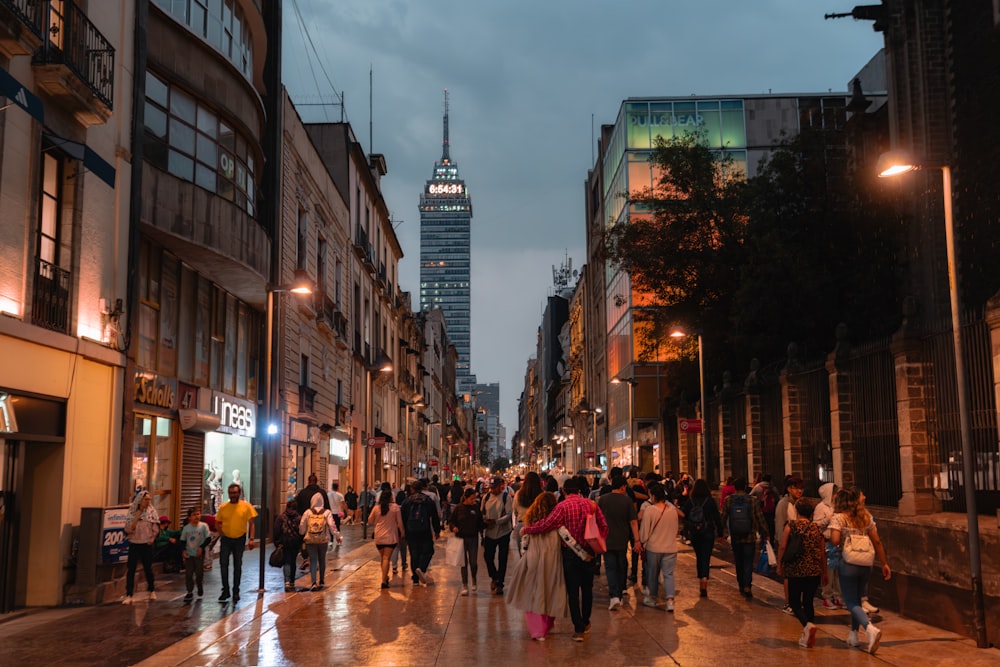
(444, 149)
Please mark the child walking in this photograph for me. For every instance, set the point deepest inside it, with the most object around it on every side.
(194, 536)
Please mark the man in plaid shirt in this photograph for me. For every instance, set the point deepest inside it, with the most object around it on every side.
(745, 546)
(572, 513)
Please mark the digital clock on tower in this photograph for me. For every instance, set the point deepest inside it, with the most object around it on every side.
(446, 189)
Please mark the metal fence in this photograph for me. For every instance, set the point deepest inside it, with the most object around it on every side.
(875, 426)
(738, 411)
(817, 454)
(944, 425)
(772, 430)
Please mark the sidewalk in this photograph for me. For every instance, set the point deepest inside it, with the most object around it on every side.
(354, 622)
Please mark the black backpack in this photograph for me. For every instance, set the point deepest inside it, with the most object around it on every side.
(696, 516)
(418, 519)
(740, 519)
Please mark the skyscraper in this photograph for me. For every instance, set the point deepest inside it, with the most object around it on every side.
(445, 232)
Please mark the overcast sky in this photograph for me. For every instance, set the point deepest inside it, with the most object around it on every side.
(529, 83)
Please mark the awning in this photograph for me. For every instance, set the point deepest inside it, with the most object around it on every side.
(91, 160)
(381, 434)
(12, 89)
(198, 421)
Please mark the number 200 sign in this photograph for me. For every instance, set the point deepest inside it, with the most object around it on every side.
(114, 543)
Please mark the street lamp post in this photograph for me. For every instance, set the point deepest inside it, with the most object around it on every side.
(703, 463)
(382, 365)
(893, 163)
(631, 382)
(301, 285)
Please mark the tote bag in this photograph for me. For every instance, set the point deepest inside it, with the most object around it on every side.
(454, 554)
(592, 535)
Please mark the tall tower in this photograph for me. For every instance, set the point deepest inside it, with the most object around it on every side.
(445, 233)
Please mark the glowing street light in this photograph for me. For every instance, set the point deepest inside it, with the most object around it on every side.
(678, 332)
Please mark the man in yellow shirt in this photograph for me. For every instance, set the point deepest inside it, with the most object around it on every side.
(234, 521)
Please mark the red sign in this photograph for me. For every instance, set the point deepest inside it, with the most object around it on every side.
(433, 463)
(446, 468)
(689, 425)
(376, 442)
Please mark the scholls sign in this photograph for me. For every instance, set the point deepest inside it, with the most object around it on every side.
(236, 416)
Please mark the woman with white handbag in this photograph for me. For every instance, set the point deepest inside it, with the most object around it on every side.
(854, 531)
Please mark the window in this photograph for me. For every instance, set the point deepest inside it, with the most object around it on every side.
(50, 299)
(190, 141)
(220, 23)
(301, 260)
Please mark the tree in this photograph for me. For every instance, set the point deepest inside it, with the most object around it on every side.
(500, 463)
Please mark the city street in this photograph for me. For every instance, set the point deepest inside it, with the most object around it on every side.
(353, 622)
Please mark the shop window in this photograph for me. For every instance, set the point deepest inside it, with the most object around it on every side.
(153, 449)
(227, 461)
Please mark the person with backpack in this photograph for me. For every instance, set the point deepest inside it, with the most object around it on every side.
(802, 561)
(317, 526)
(767, 496)
(743, 519)
(422, 526)
(703, 523)
(498, 517)
(286, 534)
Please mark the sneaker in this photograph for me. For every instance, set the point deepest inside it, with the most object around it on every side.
(868, 606)
(474, 588)
(152, 595)
(809, 634)
(201, 591)
(224, 596)
(539, 639)
(421, 577)
(616, 604)
(578, 636)
(852, 638)
(314, 588)
(189, 596)
(648, 601)
(645, 591)
(465, 592)
(788, 610)
(127, 599)
(874, 636)
(670, 604)
(830, 604)
(839, 604)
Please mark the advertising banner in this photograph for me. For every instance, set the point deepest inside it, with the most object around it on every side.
(114, 544)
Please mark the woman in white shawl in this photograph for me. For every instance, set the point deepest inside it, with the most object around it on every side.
(142, 526)
(537, 585)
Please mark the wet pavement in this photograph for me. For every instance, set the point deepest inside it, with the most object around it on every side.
(354, 622)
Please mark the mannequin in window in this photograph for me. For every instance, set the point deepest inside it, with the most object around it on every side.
(237, 480)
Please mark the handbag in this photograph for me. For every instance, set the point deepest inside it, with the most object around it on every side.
(762, 567)
(592, 535)
(454, 553)
(277, 557)
(772, 560)
(858, 550)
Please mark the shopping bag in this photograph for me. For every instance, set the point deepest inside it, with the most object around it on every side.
(455, 552)
(538, 624)
(772, 560)
(762, 567)
(592, 536)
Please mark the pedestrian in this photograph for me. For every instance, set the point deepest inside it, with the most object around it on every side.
(853, 529)
(822, 513)
(572, 513)
(336, 504)
(537, 584)
(466, 522)
(728, 489)
(637, 492)
(141, 527)
(865, 604)
(498, 518)
(704, 525)
(623, 524)
(422, 526)
(767, 496)
(743, 519)
(803, 573)
(784, 513)
(303, 499)
(286, 534)
(167, 547)
(351, 500)
(318, 528)
(365, 502)
(235, 522)
(399, 497)
(194, 536)
(658, 539)
(387, 531)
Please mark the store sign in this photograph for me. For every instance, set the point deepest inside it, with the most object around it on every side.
(340, 449)
(236, 416)
(114, 542)
(151, 389)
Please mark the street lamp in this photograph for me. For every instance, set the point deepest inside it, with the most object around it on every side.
(631, 382)
(300, 285)
(893, 163)
(381, 365)
(679, 332)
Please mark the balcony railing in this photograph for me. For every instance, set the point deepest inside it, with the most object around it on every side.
(50, 300)
(74, 42)
(329, 316)
(30, 13)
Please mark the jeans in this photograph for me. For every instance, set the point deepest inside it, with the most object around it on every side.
(616, 569)
(421, 551)
(854, 580)
(194, 573)
(471, 559)
(234, 546)
(139, 553)
(497, 572)
(317, 561)
(579, 577)
(400, 550)
(703, 542)
(744, 555)
(291, 552)
(655, 564)
(801, 591)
